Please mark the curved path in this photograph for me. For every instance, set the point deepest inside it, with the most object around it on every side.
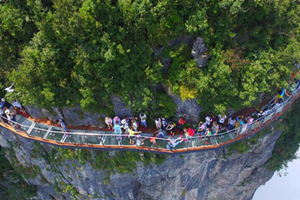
(108, 141)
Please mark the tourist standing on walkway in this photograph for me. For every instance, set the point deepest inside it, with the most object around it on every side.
(164, 122)
(170, 127)
(208, 121)
(201, 128)
(231, 123)
(116, 119)
(63, 124)
(189, 132)
(158, 123)
(221, 120)
(215, 128)
(134, 124)
(132, 134)
(118, 131)
(125, 125)
(181, 123)
(143, 118)
(108, 122)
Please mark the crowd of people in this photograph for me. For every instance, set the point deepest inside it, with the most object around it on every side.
(174, 132)
(9, 111)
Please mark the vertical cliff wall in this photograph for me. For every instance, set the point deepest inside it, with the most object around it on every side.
(202, 175)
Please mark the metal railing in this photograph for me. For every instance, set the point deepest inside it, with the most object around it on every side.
(106, 139)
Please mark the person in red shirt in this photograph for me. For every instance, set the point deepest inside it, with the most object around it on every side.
(153, 140)
(181, 122)
(189, 132)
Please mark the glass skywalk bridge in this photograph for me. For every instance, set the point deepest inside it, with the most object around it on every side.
(78, 138)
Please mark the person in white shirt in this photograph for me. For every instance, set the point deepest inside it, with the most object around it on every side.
(158, 123)
(222, 119)
(208, 121)
(143, 118)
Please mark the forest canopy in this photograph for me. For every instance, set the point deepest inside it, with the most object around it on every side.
(68, 52)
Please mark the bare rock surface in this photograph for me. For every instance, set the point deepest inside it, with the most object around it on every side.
(200, 52)
(76, 117)
(201, 175)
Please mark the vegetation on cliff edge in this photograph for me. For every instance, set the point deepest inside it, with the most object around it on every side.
(64, 53)
(12, 184)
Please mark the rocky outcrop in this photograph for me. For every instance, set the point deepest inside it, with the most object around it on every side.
(74, 116)
(200, 52)
(203, 175)
(187, 107)
(120, 107)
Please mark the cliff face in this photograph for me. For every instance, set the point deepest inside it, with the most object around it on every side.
(75, 116)
(202, 175)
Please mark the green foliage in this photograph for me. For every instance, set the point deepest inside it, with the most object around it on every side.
(15, 186)
(121, 162)
(288, 143)
(124, 162)
(58, 155)
(68, 53)
(4, 164)
(241, 147)
(67, 188)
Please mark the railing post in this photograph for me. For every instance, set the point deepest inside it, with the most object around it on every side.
(47, 133)
(30, 128)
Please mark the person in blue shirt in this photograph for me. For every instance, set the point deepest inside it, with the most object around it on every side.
(118, 130)
(63, 125)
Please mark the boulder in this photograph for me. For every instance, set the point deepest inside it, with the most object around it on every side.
(200, 52)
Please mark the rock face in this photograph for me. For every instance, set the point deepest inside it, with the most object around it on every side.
(76, 117)
(199, 52)
(120, 107)
(189, 107)
(201, 175)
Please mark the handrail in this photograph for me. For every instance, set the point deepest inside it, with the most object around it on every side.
(196, 142)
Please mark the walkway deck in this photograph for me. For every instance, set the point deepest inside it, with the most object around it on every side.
(108, 141)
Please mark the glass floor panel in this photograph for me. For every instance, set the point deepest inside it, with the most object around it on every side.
(223, 138)
(109, 140)
(39, 130)
(199, 142)
(57, 136)
(91, 139)
(75, 138)
(25, 123)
